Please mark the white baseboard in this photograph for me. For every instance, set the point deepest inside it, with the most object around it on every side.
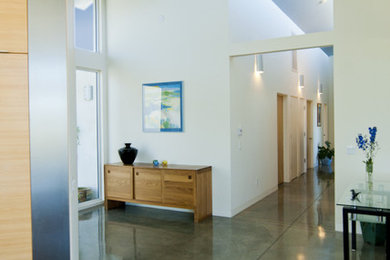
(215, 213)
(159, 207)
(90, 204)
(339, 228)
(253, 201)
(222, 214)
(290, 180)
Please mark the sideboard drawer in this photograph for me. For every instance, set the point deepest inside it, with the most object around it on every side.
(185, 177)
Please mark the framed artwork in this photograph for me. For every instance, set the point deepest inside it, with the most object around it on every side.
(162, 107)
(319, 112)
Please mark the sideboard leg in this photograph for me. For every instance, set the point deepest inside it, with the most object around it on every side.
(110, 204)
(203, 207)
(345, 234)
(387, 236)
(196, 216)
(353, 235)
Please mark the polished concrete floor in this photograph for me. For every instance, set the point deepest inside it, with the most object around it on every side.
(295, 222)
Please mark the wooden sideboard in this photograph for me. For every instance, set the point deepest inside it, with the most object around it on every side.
(15, 185)
(179, 186)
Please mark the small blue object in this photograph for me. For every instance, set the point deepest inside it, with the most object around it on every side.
(155, 163)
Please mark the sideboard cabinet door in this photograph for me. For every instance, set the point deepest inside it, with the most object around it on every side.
(178, 189)
(119, 182)
(13, 26)
(147, 185)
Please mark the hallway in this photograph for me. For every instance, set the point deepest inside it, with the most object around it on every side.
(295, 222)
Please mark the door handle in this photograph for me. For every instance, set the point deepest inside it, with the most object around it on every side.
(4, 51)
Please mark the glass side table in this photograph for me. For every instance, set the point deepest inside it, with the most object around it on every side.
(370, 199)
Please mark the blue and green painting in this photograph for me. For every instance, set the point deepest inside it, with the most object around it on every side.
(162, 107)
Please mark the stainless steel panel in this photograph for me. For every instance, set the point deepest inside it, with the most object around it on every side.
(49, 127)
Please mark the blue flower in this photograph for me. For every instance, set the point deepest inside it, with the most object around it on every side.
(372, 134)
(361, 142)
(368, 144)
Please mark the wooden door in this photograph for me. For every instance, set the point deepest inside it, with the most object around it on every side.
(147, 185)
(309, 119)
(178, 188)
(280, 140)
(324, 123)
(13, 26)
(119, 182)
(293, 137)
(15, 198)
(302, 136)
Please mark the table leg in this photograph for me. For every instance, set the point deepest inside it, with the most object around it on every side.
(345, 234)
(387, 237)
(353, 235)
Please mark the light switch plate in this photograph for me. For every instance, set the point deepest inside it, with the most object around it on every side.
(351, 149)
(239, 131)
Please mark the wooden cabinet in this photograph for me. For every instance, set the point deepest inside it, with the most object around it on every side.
(147, 185)
(180, 186)
(118, 182)
(13, 26)
(15, 219)
(15, 191)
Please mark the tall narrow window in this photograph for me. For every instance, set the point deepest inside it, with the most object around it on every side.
(87, 96)
(86, 25)
(90, 73)
(294, 63)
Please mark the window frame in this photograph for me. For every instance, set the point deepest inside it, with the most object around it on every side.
(98, 131)
(96, 62)
(96, 28)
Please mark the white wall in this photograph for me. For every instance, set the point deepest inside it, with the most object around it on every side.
(253, 107)
(161, 41)
(252, 20)
(361, 93)
(330, 93)
(253, 99)
(318, 69)
(167, 40)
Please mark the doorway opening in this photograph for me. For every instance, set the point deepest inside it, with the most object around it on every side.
(309, 140)
(280, 120)
(304, 126)
(302, 137)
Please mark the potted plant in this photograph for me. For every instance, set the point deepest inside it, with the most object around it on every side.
(374, 232)
(369, 146)
(325, 154)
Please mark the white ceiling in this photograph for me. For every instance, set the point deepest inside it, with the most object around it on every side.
(310, 15)
(83, 4)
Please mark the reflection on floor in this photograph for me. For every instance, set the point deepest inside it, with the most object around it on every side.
(295, 222)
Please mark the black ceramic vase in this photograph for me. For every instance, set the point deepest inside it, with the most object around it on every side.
(128, 154)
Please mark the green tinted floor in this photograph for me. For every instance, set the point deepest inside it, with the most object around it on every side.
(295, 222)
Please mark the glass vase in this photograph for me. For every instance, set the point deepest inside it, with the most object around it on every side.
(369, 170)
